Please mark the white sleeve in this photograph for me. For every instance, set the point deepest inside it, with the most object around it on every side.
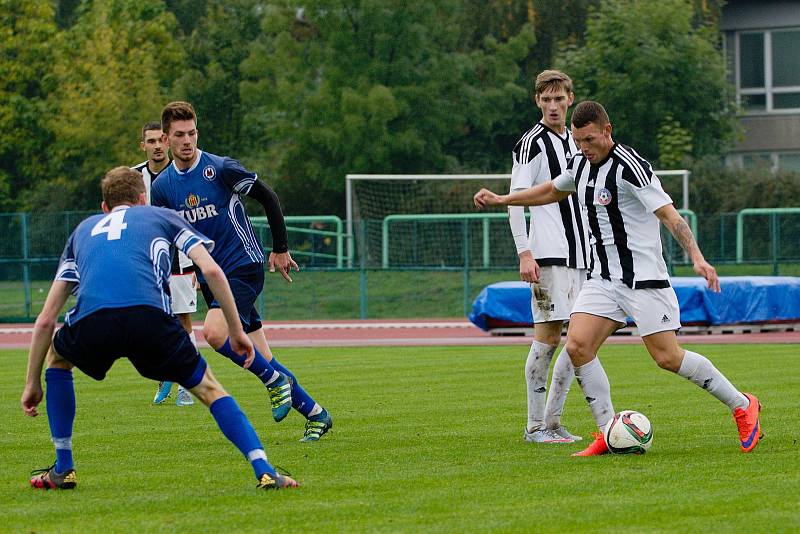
(523, 176)
(565, 181)
(652, 196)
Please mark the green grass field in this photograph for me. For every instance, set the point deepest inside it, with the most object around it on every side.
(425, 439)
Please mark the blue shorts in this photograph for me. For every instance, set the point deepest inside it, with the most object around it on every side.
(246, 284)
(155, 343)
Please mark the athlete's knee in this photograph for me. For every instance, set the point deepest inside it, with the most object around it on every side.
(55, 361)
(209, 389)
(214, 335)
(580, 351)
(669, 360)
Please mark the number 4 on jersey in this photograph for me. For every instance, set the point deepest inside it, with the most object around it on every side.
(112, 224)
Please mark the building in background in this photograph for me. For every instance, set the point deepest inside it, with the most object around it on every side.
(762, 47)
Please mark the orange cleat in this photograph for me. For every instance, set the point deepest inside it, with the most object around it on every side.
(596, 448)
(748, 423)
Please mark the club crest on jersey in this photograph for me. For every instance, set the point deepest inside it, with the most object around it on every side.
(209, 173)
(604, 197)
(192, 201)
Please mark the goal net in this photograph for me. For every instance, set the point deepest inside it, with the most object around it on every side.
(429, 221)
(426, 221)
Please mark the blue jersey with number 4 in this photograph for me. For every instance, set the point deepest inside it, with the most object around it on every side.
(123, 258)
(208, 196)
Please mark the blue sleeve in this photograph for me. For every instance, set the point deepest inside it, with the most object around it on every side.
(183, 236)
(239, 179)
(67, 266)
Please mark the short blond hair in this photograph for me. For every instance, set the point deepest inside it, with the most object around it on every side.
(554, 80)
(121, 185)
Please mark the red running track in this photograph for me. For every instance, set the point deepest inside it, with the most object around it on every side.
(405, 333)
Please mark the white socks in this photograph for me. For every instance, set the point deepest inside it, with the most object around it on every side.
(594, 382)
(701, 371)
(563, 373)
(536, 370)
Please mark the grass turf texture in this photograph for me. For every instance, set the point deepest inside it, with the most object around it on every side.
(425, 439)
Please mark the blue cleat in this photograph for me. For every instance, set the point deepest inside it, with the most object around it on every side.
(280, 397)
(163, 392)
(183, 398)
(317, 425)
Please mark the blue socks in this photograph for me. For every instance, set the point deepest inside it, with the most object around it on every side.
(60, 399)
(301, 400)
(263, 369)
(234, 424)
(260, 366)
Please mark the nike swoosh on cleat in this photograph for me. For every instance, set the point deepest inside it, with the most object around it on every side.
(752, 435)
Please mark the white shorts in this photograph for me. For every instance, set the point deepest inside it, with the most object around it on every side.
(653, 310)
(553, 297)
(184, 294)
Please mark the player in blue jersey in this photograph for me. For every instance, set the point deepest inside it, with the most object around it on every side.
(206, 190)
(110, 320)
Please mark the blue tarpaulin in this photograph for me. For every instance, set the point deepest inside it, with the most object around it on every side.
(743, 299)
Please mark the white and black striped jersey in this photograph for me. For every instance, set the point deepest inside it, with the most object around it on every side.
(181, 265)
(148, 176)
(620, 195)
(557, 234)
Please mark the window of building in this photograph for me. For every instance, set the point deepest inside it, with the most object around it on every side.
(768, 161)
(768, 70)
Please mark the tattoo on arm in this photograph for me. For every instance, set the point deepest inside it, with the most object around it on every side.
(683, 234)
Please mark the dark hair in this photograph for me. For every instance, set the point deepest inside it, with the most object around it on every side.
(121, 185)
(552, 79)
(589, 111)
(150, 126)
(176, 111)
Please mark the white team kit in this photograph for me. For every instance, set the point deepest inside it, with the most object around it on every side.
(182, 280)
(558, 232)
(627, 274)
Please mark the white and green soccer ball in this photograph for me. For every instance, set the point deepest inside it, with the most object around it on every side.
(628, 432)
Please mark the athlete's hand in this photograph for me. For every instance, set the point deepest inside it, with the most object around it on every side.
(484, 198)
(241, 344)
(528, 269)
(283, 263)
(31, 398)
(707, 271)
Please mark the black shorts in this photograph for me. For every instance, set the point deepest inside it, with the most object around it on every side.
(246, 284)
(154, 342)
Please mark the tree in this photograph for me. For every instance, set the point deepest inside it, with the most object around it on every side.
(216, 46)
(27, 28)
(112, 72)
(657, 74)
(375, 87)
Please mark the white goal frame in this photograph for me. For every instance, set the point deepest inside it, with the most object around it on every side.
(683, 173)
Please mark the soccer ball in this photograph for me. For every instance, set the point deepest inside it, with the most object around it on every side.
(628, 432)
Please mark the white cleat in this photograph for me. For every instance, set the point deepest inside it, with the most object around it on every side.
(544, 435)
(183, 398)
(564, 433)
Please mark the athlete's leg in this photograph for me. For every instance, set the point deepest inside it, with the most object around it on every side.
(236, 427)
(215, 330)
(546, 337)
(664, 348)
(585, 336)
(60, 399)
(301, 400)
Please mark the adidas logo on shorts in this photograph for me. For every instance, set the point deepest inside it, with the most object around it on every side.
(665, 319)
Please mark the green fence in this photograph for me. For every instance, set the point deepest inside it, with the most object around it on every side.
(407, 266)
